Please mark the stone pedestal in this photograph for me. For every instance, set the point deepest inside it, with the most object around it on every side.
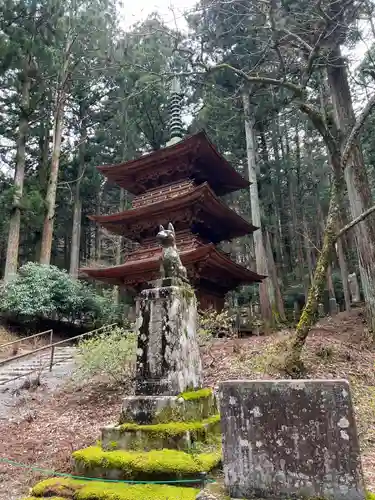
(290, 439)
(168, 360)
(333, 309)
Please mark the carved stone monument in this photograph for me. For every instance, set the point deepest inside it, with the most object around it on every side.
(168, 359)
(290, 439)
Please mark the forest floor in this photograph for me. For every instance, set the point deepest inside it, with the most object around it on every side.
(53, 424)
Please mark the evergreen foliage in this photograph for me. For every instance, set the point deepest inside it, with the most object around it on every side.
(46, 292)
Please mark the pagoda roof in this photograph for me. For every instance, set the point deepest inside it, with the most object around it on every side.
(226, 224)
(209, 260)
(196, 150)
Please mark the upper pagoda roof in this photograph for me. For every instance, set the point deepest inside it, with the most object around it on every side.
(211, 263)
(197, 152)
(200, 205)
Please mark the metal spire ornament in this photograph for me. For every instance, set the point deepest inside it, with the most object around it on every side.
(175, 122)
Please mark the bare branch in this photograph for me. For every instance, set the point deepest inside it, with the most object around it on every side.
(298, 91)
(355, 221)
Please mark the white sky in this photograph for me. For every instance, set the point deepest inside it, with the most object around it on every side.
(169, 10)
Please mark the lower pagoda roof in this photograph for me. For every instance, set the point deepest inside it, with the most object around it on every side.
(200, 207)
(205, 261)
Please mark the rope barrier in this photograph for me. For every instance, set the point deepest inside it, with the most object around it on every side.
(82, 478)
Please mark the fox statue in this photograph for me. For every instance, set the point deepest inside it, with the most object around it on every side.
(170, 263)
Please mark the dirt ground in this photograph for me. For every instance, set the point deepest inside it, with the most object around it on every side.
(52, 425)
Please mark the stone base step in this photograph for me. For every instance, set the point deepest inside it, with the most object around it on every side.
(81, 490)
(194, 405)
(157, 465)
(174, 435)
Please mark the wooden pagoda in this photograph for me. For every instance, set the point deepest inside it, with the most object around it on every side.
(181, 184)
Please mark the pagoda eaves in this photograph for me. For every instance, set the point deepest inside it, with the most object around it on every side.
(198, 208)
(209, 270)
(194, 157)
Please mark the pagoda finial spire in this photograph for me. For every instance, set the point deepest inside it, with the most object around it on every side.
(175, 123)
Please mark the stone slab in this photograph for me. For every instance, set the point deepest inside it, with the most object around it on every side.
(168, 358)
(290, 439)
(163, 409)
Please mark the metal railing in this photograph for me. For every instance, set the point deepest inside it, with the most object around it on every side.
(23, 339)
(51, 346)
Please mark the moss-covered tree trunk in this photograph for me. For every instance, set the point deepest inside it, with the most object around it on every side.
(293, 363)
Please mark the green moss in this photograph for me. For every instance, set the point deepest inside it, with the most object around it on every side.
(173, 428)
(99, 490)
(370, 496)
(187, 293)
(199, 394)
(133, 464)
(47, 498)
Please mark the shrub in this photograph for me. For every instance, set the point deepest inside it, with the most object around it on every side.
(213, 323)
(46, 292)
(110, 354)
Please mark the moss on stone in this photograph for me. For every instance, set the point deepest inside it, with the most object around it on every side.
(173, 428)
(100, 490)
(187, 293)
(199, 394)
(47, 498)
(133, 464)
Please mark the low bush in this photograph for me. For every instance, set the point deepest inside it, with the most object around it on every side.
(215, 324)
(110, 354)
(47, 292)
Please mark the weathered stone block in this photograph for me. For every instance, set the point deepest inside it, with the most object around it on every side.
(164, 409)
(289, 439)
(173, 435)
(168, 359)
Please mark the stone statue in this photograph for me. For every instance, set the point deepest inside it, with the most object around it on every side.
(170, 265)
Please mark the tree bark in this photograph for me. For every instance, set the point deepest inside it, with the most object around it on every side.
(44, 146)
(46, 245)
(356, 180)
(344, 273)
(266, 291)
(273, 276)
(11, 262)
(77, 208)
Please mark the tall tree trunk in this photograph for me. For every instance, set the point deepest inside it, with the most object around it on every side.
(309, 261)
(77, 207)
(344, 272)
(273, 276)
(46, 245)
(122, 203)
(266, 291)
(356, 180)
(98, 240)
(44, 146)
(296, 232)
(15, 219)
